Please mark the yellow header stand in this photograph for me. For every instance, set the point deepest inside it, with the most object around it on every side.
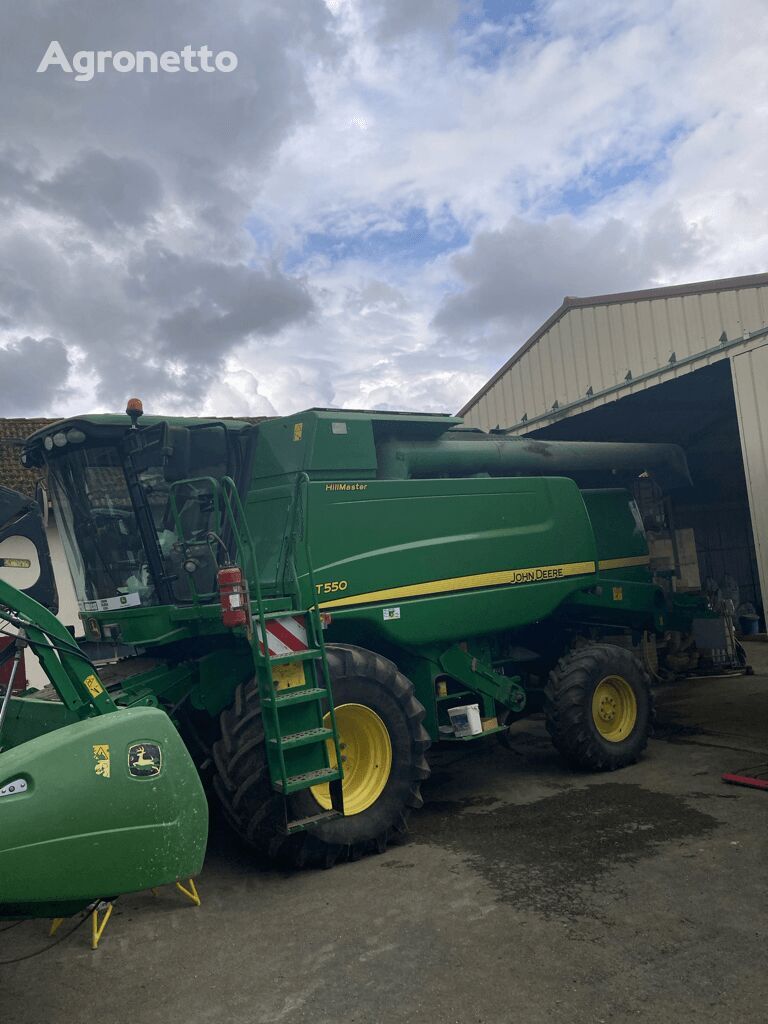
(105, 908)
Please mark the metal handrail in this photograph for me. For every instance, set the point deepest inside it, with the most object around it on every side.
(245, 546)
(313, 613)
(230, 509)
(197, 598)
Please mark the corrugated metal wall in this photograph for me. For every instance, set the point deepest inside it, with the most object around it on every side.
(750, 385)
(596, 346)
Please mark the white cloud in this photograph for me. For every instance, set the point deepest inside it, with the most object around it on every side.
(612, 146)
(287, 235)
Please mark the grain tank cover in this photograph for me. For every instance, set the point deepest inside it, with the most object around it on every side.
(337, 443)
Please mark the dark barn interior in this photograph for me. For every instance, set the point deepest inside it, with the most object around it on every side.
(698, 411)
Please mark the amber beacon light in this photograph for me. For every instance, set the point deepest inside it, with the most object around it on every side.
(134, 409)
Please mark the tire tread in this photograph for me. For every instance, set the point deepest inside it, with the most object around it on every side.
(243, 786)
(568, 703)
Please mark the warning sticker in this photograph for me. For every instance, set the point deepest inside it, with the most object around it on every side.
(111, 604)
(101, 756)
(390, 613)
(94, 686)
(288, 675)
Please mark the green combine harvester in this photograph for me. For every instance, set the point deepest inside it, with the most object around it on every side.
(303, 601)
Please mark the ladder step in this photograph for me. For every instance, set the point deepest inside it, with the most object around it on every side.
(296, 782)
(299, 824)
(300, 695)
(303, 738)
(312, 653)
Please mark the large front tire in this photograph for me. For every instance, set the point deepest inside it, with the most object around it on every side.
(380, 726)
(598, 707)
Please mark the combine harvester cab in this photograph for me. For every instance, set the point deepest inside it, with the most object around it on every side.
(95, 801)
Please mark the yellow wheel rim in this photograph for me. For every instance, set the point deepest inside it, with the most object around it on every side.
(614, 708)
(366, 752)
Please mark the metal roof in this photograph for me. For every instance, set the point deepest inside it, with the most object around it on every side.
(574, 302)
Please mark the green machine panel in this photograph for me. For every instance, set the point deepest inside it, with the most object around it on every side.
(458, 552)
(108, 805)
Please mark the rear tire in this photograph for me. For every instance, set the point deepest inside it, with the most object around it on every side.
(257, 812)
(599, 707)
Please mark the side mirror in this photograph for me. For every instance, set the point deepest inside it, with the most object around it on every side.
(177, 454)
(41, 499)
(161, 444)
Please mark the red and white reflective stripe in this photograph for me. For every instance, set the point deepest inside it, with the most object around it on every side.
(286, 635)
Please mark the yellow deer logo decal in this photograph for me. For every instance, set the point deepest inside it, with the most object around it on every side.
(141, 761)
(144, 760)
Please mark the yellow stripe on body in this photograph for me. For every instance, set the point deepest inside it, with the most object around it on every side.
(623, 563)
(534, 574)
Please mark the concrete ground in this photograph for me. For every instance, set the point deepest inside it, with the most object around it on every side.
(525, 894)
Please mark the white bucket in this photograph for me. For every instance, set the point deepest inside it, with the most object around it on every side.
(466, 720)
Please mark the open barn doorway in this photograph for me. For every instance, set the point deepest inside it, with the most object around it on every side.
(704, 531)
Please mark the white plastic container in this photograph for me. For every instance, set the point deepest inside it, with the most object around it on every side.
(466, 720)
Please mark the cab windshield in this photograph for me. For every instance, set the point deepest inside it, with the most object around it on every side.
(99, 530)
(104, 540)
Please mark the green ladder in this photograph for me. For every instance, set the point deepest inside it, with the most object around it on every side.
(294, 687)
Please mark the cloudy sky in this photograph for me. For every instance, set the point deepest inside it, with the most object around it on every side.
(375, 208)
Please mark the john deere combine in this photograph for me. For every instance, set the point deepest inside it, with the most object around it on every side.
(306, 598)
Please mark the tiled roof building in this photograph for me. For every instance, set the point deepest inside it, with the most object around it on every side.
(12, 473)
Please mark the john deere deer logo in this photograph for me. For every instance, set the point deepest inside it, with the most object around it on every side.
(144, 760)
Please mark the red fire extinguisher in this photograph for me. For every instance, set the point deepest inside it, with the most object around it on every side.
(233, 596)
